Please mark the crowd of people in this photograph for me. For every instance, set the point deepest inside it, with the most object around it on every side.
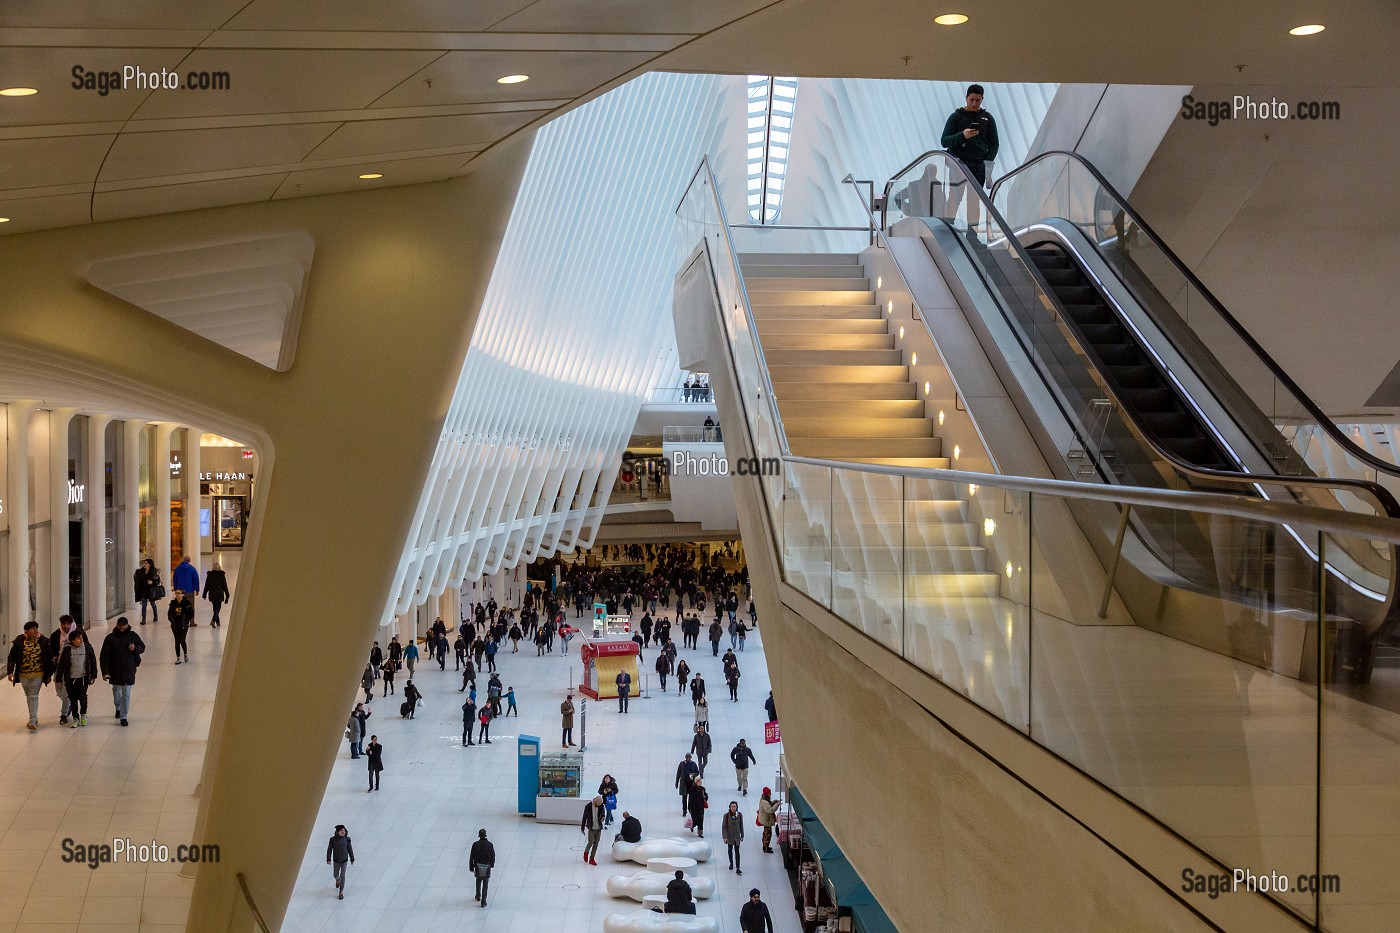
(671, 588)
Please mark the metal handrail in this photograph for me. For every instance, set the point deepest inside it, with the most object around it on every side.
(772, 399)
(1277, 371)
(248, 897)
(1382, 496)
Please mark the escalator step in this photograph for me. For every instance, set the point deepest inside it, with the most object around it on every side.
(1078, 295)
(1049, 258)
(1104, 332)
(1155, 400)
(1169, 424)
(1121, 354)
(1198, 450)
(1136, 377)
(1059, 277)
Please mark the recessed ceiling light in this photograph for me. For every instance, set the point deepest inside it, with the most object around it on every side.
(18, 91)
(950, 19)
(4, 220)
(1312, 30)
(512, 79)
(368, 175)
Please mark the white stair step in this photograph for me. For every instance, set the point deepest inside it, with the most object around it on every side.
(941, 534)
(945, 585)
(810, 297)
(840, 391)
(843, 448)
(798, 259)
(781, 357)
(936, 510)
(813, 283)
(851, 408)
(924, 463)
(872, 373)
(808, 326)
(841, 424)
(827, 341)
(803, 271)
(763, 313)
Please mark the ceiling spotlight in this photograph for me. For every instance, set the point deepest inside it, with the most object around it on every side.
(950, 19)
(18, 91)
(369, 175)
(1311, 30)
(4, 220)
(512, 79)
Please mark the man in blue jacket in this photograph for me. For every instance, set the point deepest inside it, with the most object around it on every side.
(185, 578)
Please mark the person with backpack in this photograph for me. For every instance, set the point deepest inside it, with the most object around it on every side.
(480, 863)
(340, 851)
(411, 696)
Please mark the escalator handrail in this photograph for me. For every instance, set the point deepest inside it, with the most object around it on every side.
(1375, 491)
(1311, 407)
(771, 398)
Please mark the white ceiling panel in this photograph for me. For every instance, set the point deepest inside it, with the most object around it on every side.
(638, 16)
(168, 199)
(369, 15)
(60, 160)
(400, 172)
(367, 138)
(467, 77)
(152, 155)
(42, 213)
(119, 14)
(51, 71)
(287, 80)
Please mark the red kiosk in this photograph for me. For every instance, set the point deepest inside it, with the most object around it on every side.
(603, 658)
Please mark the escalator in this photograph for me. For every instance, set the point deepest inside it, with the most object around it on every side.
(1146, 380)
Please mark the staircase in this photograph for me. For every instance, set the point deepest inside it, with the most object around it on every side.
(844, 393)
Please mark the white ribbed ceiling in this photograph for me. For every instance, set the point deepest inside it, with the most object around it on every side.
(246, 294)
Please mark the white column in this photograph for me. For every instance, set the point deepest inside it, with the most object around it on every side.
(58, 514)
(130, 531)
(17, 505)
(95, 530)
(160, 522)
(189, 475)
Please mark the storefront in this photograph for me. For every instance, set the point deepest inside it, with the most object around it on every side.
(226, 496)
(77, 512)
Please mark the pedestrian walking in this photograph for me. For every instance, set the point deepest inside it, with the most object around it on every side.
(375, 752)
(367, 682)
(339, 852)
(31, 664)
(686, 773)
(148, 589)
(594, 819)
(698, 802)
(682, 675)
(480, 863)
(697, 688)
(754, 916)
(702, 713)
(608, 788)
(180, 614)
(742, 756)
(216, 591)
(355, 729)
(185, 579)
(510, 703)
(77, 665)
(459, 651)
(701, 746)
(58, 640)
(731, 830)
(731, 679)
(410, 658)
(376, 659)
(771, 707)
(118, 660)
(663, 666)
(411, 697)
(624, 690)
(388, 671)
(566, 712)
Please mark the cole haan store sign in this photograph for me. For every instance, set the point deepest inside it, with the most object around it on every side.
(221, 477)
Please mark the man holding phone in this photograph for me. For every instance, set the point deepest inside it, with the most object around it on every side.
(970, 136)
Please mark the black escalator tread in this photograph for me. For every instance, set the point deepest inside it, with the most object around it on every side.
(1125, 364)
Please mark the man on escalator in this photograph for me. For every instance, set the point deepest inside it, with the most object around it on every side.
(970, 136)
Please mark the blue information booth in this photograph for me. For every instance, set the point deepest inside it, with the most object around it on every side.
(527, 758)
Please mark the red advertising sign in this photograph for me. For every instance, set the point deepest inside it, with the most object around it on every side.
(771, 733)
(608, 649)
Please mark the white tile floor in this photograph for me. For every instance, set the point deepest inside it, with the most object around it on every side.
(103, 782)
(412, 837)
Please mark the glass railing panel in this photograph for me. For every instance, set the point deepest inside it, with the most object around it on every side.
(758, 238)
(1205, 713)
(867, 553)
(1360, 799)
(966, 591)
(806, 517)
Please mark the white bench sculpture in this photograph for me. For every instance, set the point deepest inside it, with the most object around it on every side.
(662, 847)
(672, 864)
(639, 884)
(649, 921)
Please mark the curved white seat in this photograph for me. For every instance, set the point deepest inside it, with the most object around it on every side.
(639, 884)
(662, 847)
(649, 921)
(671, 864)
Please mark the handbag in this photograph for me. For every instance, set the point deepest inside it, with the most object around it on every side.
(483, 870)
(157, 591)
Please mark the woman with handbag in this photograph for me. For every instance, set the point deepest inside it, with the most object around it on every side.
(767, 817)
(608, 790)
(699, 801)
(148, 588)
